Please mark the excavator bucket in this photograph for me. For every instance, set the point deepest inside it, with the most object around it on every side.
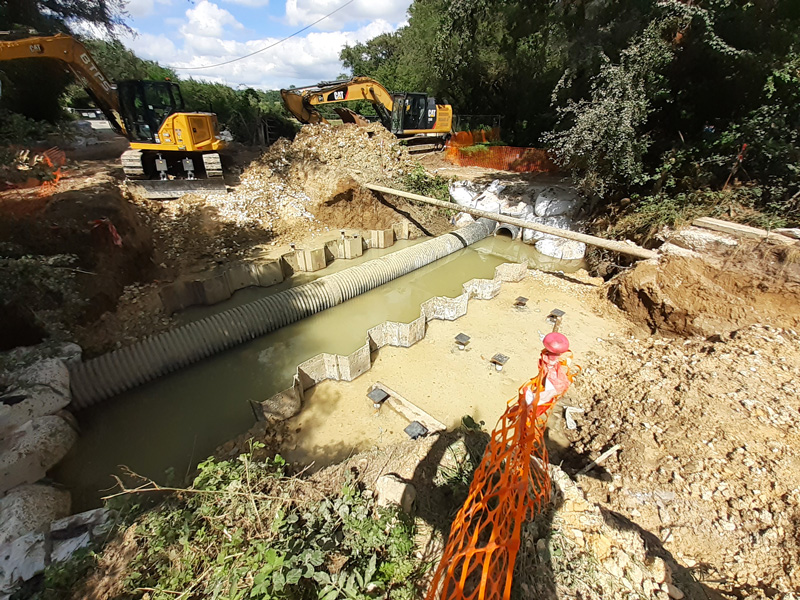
(349, 116)
(167, 189)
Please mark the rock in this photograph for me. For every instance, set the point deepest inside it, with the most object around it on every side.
(390, 489)
(561, 248)
(463, 219)
(601, 546)
(672, 591)
(31, 508)
(29, 451)
(661, 572)
(36, 391)
(555, 202)
(20, 560)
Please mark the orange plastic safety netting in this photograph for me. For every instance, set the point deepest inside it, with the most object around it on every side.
(511, 485)
(465, 149)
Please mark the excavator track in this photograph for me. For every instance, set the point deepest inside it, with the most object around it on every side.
(138, 174)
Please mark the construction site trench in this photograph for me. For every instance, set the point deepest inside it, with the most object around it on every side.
(687, 389)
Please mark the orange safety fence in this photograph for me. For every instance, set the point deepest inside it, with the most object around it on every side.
(511, 485)
(464, 150)
(503, 158)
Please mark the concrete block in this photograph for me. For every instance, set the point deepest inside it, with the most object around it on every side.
(177, 296)
(381, 238)
(212, 290)
(268, 273)
(401, 230)
(351, 247)
(311, 260)
(239, 276)
(482, 289)
(446, 309)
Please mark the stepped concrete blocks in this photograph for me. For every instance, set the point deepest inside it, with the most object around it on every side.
(401, 230)
(268, 273)
(351, 247)
(311, 260)
(381, 238)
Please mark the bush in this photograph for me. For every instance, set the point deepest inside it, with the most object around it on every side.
(420, 182)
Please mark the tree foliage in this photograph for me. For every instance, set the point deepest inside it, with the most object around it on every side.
(639, 98)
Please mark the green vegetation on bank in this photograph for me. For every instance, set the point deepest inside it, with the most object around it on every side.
(245, 530)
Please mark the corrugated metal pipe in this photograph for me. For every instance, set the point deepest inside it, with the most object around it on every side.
(131, 366)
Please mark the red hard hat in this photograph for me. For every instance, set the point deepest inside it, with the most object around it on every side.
(556, 343)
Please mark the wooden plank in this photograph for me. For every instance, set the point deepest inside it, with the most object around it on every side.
(626, 247)
(409, 410)
(738, 230)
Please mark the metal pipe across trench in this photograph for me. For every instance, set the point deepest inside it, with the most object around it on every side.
(123, 369)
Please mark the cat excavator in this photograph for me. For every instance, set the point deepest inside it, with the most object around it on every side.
(412, 116)
(172, 151)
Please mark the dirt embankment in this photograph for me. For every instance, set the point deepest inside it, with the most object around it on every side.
(707, 283)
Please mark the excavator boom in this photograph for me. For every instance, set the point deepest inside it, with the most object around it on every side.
(172, 151)
(77, 58)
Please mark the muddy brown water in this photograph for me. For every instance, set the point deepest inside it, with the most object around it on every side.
(162, 429)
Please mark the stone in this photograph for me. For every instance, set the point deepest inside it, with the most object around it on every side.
(390, 489)
(672, 591)
(601, 546)
(29, 451)
(31, 508)
(661, 572)
(39, 390)
(463, 219)
(20, 560)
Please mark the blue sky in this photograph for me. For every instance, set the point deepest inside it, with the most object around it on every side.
(195, 33)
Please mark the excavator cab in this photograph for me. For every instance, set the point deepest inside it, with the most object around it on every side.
(145, 105)
(412, 112)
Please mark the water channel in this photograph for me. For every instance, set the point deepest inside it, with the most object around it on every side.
(172, 423)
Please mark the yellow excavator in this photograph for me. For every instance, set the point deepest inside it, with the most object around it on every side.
(172, 151)
(412, 116)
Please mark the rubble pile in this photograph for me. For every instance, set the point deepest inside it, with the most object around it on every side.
(709, 448)
(576, 550)
(284, 190)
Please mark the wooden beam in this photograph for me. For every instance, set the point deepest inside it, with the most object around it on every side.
(626, 247)
(738, 230)
(410, 411)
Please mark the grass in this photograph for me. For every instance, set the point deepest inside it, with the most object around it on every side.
(244, 530)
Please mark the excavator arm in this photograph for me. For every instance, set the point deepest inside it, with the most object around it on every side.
(75, 55)
(301, 102)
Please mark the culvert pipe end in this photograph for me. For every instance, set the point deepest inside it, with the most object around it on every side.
(121, 370)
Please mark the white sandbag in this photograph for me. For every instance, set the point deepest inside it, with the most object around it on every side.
(561, 222)
(488, 201)
(561, 248)
(521, 210)
(495, 187)
(554, 202)
(463, 193)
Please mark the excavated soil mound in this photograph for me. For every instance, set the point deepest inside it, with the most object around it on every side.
(706, 283)
(709, 451)
(312, 184)
(66, 258)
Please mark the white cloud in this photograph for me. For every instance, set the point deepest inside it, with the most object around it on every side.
(297, 61)
(304, 12)
(144, 8)
(208, 20)
(250, 3)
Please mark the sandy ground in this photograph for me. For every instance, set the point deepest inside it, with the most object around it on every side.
(448, 383)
